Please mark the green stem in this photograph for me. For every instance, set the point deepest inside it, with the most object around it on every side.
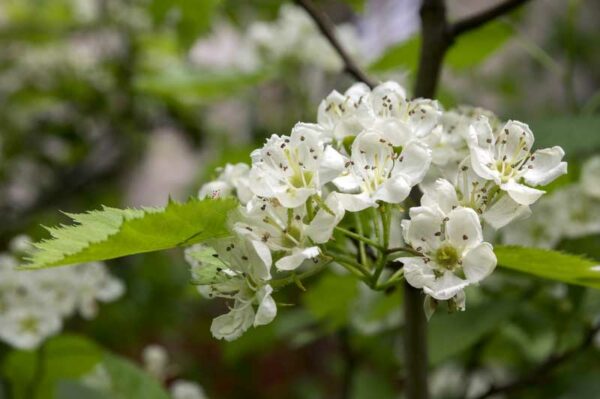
(393, 280)
(360, 238)
(294, 278)
(415, 344)
(38, 373)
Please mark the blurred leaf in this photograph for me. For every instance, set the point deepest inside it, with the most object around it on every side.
(210, 266)
(193, 86)
(452, 333)
(63, 357)
(129, 381)
(77, 390)
(554, 265)
(330, 298)
(575, 134)
(586, 246)
(368, 384)
(469, 50)
(475, 47)
(112, 233)
(357, 5)
(404, 55)
(191, 17)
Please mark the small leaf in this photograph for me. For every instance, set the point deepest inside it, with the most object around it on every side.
(111, 233)
(554, 265)
(129, 381)
(475, 47)
(575, 134)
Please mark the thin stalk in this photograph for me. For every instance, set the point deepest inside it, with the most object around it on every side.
(361, 238)
(393, 280)
(294, 278)
(38, 373)
(415, 344)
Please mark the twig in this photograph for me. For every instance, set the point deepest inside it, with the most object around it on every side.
(327, 28)
(475, 21)
(415, 344)
(540, 372)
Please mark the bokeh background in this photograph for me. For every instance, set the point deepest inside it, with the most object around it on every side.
(125, 102)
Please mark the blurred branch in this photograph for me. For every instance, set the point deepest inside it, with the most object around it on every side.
(327, 28)
(542, 371)
(475, 21)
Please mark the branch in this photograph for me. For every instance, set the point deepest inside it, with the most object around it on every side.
(475, 21)
(540, 372)
(327, 28)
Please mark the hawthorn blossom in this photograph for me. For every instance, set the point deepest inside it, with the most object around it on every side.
(337, 113)
(376, 172)
(232, 180)
(291, 169)
(284, 229)
(453, 253)
(590, 177)
(505, 157)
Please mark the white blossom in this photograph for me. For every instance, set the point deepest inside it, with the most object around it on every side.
(590, 177)
(505, 157)
(452, 248)
(232, 180)
(182, 389)
(291, 169)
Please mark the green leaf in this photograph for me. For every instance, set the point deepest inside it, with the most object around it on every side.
(190, 86)
(554, 265)
(191, 17)
(452, 333)
(357, 5)
(329, 299)
(575, 134)
(129, 381)
(111, 233)
(63, 357)
(469, 50)
(475, 47)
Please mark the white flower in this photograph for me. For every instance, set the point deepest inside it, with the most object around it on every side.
(378, 173)
(505, 157)
(293, 168)
(26, 327)
(182, 389)
(283, 229)
(156, 361)
(453, 252)
(232, 180)
(337, 113)
(590, 177)
(576, 214)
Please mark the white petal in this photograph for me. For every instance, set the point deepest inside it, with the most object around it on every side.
(441, 195)
(482, 160)
(262, 270)
(347, 184)
(321, 227)
(267, 308)
(413, 162)
(423, 231)
(521, 193)
(446, 287)
(463, 228)
(545, 166)
(516, 140)
(416, 272)
(332, 164)
(355, 202)
(393, 191)
(293, 261)
(479, 262)
(294, 197)
(504, 211)
(232, 325)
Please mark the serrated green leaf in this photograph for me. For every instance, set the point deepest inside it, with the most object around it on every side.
(554, 265)
(111, 233)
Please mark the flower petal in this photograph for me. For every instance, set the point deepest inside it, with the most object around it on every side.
(355, 202)
(504, 211)
(441, 195)
(416, 272)
(393, 190)
(232, 325)
(293, 261)
(545, 166)
(423, 231)
(331, 166)
(347, 183)
(267, 309)
(321, 227)
(479, 262)
(413, 162)
(463, 228)
(521, 193)
(445, 287)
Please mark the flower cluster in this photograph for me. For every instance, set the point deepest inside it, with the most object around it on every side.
(343, 188)
(33, 304)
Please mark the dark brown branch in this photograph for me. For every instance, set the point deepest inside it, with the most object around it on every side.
(543, 370)
(478, 20)
(327, 28)
(415, 344)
